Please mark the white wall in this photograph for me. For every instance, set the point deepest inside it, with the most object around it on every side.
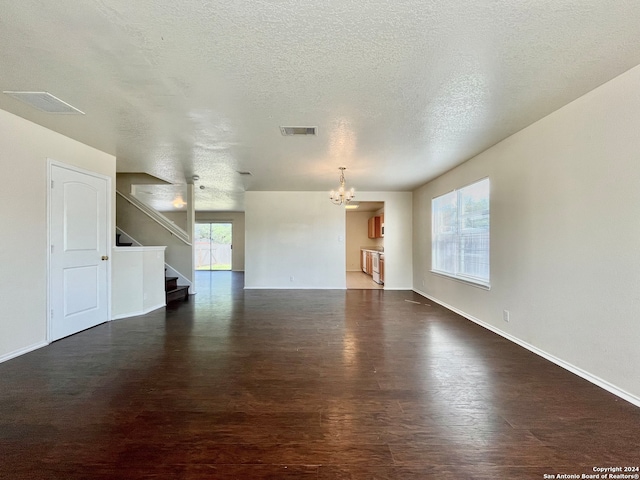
(178, 218)
(565, 236)
(293, 234)
(302, 234)
(237, 233)
(398, 238)
(138, 280)
(24, 149)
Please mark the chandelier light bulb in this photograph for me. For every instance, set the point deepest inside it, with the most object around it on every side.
(342, 195)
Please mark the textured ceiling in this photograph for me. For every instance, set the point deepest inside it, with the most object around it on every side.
(401, 91)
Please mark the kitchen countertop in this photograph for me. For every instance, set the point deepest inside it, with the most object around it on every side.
(373, 249)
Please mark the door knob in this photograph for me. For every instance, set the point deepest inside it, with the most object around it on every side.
(105, 257)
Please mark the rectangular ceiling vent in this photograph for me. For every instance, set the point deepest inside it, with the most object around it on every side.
(289, 131)
(241, 172)
(45, 102)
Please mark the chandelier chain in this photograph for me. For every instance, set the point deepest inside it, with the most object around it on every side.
(342, 195)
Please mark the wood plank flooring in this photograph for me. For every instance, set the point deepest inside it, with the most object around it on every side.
(356, 384)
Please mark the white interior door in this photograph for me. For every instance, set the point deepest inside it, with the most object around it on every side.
(78, 261)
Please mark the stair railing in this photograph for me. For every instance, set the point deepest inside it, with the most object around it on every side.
(157, 217)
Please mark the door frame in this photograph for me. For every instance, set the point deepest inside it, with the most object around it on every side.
(108, 232)
(200, 222)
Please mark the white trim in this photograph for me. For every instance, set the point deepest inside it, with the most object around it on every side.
(22, 351)
(201, 222)
(158, 248)
(133, 240)
(457, 275)
(465, 280)
(110, 237)
(142, 312)
(552, 358)
(182, 280)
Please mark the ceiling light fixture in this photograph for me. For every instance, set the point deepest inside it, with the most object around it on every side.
(342, 195)
(179, 202)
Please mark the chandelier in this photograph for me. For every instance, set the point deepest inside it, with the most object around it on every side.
(342, 195)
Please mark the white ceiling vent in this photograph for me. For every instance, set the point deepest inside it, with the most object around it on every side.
(289, 131)
(45, 102)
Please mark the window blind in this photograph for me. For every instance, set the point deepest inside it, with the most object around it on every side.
(460, 233)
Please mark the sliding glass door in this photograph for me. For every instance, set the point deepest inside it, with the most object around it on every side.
(213, 246)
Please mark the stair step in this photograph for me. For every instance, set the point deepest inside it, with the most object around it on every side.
(179, 293)
(170, 283)
(122, 244)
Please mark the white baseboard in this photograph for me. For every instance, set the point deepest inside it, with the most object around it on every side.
(141, 312)
(552, 358)
(22, 351)
(295, 288)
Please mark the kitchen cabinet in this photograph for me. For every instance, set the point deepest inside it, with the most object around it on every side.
(372, 228)
(375, 226)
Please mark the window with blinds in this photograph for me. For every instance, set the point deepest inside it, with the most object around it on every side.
(460, 233)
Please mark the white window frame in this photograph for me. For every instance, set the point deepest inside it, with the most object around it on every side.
(445, 225)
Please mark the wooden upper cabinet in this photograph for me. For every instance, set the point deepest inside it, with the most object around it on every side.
(375, 227)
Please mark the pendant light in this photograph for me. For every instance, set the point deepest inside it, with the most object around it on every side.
(342, 195)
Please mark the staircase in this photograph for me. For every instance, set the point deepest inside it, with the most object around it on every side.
(121, 244)
(175, 292)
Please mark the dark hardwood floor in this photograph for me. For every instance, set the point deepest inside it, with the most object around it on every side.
(258, 384)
